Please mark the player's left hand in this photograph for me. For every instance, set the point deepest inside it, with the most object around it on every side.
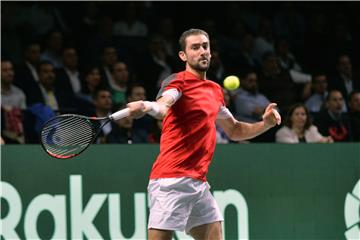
(271, 117)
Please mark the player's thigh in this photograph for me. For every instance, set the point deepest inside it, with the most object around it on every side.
(207, 231)
(158, 234)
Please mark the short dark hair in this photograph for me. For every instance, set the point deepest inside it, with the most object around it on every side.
(290, 112)
(132, 86)
(97, 91)
(190, 32)
(43, 62)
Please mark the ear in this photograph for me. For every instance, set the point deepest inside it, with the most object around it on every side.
(182, 56)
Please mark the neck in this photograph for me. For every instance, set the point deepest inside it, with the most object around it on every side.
(201, 75)
(299, 131)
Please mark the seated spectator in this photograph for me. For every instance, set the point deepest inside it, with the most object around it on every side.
(299, 129)
(155, 66)
(332, 120)
(144, 125)
(276, 84)
(119, 83)
(68, 77)
(354, 114)
(123, 132)
(53, 48)
(109, 57)
(103, 105)
(91, 81)
(45, 92)
(249, 102)
(317, 99)
(13, 101)
(344, 79)
(288, 63)
(26, 73)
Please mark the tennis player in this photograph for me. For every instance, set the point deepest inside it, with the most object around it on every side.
(180, 197)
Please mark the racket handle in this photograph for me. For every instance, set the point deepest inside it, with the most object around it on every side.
(123, 113)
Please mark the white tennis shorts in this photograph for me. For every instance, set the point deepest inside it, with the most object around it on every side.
(180, 204)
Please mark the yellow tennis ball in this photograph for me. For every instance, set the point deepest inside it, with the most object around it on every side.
(231, 82)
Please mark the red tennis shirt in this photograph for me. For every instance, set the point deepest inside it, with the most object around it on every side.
(188, 137)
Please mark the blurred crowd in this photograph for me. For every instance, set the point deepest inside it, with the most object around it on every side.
(91, 58)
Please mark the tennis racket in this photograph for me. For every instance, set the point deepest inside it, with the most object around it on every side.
(67, 135)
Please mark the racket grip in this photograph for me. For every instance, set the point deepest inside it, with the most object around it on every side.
(123, 113)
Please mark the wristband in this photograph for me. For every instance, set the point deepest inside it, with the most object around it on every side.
(154, 106)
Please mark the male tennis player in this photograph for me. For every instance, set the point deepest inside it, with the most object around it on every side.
(190, 104)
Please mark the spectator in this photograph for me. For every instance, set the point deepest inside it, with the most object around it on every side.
(332, 121)
(91, 81)
(247, 48)
(276, 84)
(53, 49)
(68, 77)
(109, 58)
(249, 102)
(123, 132)
(119, 83)
(45, 93)
(143, 126)
(354, 114)
(344, 79)
(26, 72)
(102, 100)
(299, 129)
(317, 100)
(155, 67)
(13, 101)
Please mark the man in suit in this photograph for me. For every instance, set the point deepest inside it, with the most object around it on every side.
(344, 79)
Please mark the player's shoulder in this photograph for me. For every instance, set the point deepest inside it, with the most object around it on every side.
(172, 77)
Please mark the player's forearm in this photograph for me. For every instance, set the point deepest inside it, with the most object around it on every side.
(244, 131)
(157, 110)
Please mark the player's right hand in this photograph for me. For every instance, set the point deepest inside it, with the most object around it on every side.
(137, 109)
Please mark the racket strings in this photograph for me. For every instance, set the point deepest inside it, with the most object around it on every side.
(67, 136)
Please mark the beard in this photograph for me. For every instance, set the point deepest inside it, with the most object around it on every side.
(199, 66)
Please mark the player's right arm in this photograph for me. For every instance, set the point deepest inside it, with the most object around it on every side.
(156, 109)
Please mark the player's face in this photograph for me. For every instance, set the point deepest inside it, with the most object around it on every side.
(298, 118)
(197, 52)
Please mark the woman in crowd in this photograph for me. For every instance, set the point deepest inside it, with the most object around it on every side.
(299, 129)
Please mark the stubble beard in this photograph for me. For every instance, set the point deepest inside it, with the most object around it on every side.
(200, 67)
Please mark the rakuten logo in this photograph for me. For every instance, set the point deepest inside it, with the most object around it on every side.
(82, 215)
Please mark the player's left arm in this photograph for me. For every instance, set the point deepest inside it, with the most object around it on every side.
(237, 130)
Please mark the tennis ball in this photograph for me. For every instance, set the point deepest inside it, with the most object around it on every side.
(231, 82)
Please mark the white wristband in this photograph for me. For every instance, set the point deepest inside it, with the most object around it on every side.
(155, 109)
